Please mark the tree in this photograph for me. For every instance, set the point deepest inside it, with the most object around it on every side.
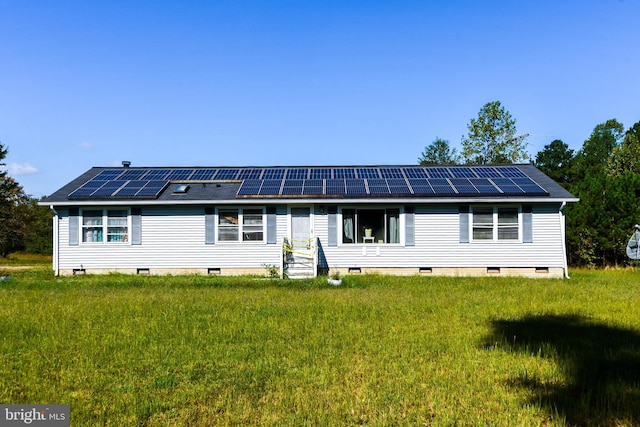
(598, 227)
(626, 156)
(555, 161)
(492, 138)
(595, 152)
(439, 153)
(38, 228)
(11, 221)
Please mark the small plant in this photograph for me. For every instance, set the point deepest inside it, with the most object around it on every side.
(334, 278)
(273, 270)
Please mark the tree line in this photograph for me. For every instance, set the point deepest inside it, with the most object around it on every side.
(24, 226)
(604, 174)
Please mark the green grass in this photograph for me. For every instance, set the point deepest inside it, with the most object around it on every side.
(379, 350)
(25, 259)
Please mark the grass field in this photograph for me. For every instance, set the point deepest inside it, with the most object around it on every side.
(378, 350)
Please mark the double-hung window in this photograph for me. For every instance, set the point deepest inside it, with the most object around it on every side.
(245, 225)
(496, 224)
(371, 226)
(109, 225)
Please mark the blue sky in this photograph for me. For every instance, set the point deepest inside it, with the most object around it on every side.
(216, 83)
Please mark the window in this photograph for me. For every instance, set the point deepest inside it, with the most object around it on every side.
(252, 225)
(96, 224)
(371, 226)
(496, 224)
(92, 226)
(233, 223)
(117, 222)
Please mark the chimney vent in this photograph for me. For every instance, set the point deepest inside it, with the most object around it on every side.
(126, 163)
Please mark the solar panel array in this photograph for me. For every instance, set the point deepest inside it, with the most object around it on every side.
(440, 181)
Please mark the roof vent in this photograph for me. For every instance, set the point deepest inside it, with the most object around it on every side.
(126, 163)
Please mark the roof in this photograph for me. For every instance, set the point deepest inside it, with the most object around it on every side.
(298, 184)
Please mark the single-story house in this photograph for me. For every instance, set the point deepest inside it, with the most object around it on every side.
(307, 220)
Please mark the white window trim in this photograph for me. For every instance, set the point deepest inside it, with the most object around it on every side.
(240, 239)
(495, 224)
(401, 225)
(105, 226)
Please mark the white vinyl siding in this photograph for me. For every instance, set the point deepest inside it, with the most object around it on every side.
(174, 237)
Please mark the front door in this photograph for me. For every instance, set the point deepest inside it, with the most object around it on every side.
(300, 229)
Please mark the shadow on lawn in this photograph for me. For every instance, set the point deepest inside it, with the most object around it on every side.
(601, 365)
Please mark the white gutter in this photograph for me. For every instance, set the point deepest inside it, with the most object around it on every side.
(317, 201)
(565, 264)
(56, 239)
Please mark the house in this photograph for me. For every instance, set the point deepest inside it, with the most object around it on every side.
(304, 221)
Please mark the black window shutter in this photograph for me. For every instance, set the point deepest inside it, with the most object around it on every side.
(272, 231)
(527, 224)
(74, 233)
(464, 224)
(332, 238)
(209, 225)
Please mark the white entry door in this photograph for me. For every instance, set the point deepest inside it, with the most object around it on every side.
(300, 228)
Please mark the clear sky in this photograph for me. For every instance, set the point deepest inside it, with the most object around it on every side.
(304, 82)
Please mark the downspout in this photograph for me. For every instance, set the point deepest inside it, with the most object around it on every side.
(56, 240)
(565, 264)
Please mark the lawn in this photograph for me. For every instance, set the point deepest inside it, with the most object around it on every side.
(378, 350)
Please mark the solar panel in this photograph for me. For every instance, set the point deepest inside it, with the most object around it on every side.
(421, 186)
(449, 181)
(462, 172)
(108, 188)
(292, 186)
(511, 172)
(484, 186)
(87, 188)
(335, 186)
(320, 173)
(250, 187)
(464, 186)
(377, 186)
(398, 186)
(529, 186)
(441, 186)
(438, 173)
(368, 173)
(273, 173)
(313, 186)
(415, 172)
(391, 173)
(227, 174)
(179, 174)
(131, 188)
(355, 187)
(250, 174)
(152, 188)
(132, 174)
(344, 173)
(507, 186)
(297, 173)
(108, 175)
(203, 174)
(271, 187)
(487, 172)
(157, 174)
